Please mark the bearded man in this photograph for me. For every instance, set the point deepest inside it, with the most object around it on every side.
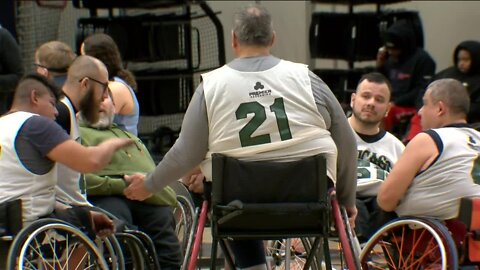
(85, 88)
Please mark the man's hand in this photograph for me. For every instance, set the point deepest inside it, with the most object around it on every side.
(102, 225)
(119, 143)
(352, 215)
(195, 183)
(136, 189)
(382, 56)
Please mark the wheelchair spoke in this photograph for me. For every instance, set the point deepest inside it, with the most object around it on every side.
(405, 244)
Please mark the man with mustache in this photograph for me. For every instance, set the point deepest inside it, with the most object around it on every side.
(85, 88)
(378, 150)
(153, 216)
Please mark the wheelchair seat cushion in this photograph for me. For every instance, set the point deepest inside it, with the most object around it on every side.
(10, 217)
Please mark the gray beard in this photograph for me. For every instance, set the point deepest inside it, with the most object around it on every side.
(104, 122)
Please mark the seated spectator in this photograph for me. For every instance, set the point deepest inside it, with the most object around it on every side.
(31, 144)
(105, 188)
(53, 59)
(466, 69)
(439, 165)
(409, 69)
(122, 83)
(378, 150)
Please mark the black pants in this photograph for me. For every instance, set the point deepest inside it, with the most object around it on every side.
(156, 221)
(370, 217)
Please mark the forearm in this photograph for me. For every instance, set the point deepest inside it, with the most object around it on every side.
(344, 139)
(104, 185)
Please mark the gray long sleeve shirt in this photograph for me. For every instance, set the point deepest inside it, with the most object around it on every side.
(192, 145)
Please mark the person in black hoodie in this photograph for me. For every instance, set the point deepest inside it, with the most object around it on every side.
(409, 69)
(466, 69)
(11, 69)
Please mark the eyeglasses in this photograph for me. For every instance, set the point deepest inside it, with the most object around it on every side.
(105, 85)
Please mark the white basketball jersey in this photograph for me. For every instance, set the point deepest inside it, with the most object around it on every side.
(436, 192)
(36, 191)
(265, 115)
(383, 154)
(71, 184)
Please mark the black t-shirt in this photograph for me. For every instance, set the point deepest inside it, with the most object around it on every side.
(35, 139)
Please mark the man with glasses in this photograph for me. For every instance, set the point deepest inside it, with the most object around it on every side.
(52, 60)
(86, 86)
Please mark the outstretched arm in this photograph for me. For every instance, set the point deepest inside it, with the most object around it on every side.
(87, 159)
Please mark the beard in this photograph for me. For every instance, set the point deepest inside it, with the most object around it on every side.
(105, 121)
(90, 107)
(368, 121)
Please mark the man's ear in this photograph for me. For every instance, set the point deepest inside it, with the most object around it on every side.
(234, 40)
(441, 108)
(389, 106)
(34, 95)
(352, 99)
(274, 35)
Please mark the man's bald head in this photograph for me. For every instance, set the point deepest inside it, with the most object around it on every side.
(84, 66)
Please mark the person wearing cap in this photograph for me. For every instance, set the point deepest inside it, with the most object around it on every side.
(409, 69)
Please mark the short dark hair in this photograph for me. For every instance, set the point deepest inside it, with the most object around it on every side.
(25, 83)
(452, 93)
(376, 77)
(253, 26)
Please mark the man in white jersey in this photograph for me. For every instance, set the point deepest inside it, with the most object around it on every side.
(258, 107)
(30, 145)
(85, 88)
(438, 166)
(378, 150)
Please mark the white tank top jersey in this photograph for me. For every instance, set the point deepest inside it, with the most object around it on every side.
(37, 192)
(71, 184)
(382, 155)
(267, 115)
(436, 192)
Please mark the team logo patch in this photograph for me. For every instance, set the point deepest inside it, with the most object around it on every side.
(259, 91)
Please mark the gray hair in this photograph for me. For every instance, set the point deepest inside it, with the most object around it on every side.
(452, 93)
(253, 26)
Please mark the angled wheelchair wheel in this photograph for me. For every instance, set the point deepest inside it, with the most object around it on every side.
(349, 248)
(112, 252)
(53, 244)
(409, 243)
(291, 254)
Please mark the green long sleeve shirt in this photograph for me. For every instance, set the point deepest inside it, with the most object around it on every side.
(133, 159)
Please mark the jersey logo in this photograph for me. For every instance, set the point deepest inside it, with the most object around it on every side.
(258, 86)
(259, 92)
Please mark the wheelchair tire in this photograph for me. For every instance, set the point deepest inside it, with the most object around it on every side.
(53, 243)
(408, 243)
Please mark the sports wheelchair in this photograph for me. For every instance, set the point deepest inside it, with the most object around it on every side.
(287, 204)
(50, 244)
(45, 243)
(425, 243)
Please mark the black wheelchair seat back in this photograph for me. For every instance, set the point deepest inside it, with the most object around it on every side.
(269, 198)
